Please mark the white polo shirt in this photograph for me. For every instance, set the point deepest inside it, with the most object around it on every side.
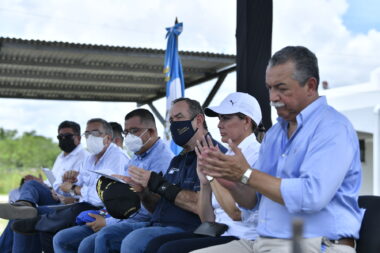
(245, 229)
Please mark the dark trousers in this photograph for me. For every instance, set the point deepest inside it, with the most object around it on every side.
(184, 242)
(37, 193)
(60, 218)
(26, 243)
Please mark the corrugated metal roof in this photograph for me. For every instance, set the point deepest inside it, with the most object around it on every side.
(69, 71)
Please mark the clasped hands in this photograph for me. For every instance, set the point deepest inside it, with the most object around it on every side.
(224, 168)
(68, 179)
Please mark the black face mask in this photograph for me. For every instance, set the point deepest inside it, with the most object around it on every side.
(182, 131)
(67, 145)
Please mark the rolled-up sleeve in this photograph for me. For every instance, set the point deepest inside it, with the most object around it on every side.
(325, 165)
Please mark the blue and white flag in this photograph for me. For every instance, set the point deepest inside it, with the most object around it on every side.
(175, 85)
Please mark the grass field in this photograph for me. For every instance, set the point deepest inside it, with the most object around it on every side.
(3, 223)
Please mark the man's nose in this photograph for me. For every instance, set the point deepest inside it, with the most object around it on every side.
(273, 95)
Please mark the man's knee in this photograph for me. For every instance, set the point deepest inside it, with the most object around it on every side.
(59, 240)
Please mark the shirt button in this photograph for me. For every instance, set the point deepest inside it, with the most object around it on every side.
(283, 155)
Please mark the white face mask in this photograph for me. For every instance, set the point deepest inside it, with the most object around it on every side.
(134, 143)
(94, 144)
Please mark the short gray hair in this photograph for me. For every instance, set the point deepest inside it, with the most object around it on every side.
(305, 61)
(106, 126)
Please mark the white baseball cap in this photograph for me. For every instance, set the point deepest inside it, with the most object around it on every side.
(237, 102)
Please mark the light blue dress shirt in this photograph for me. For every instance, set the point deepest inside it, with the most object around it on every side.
(321, 175)
(156, 159)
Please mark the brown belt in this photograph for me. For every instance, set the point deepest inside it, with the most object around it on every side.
(345, 241)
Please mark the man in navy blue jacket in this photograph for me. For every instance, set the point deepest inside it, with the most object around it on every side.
(171, 198)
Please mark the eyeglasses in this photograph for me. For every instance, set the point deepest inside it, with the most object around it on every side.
(133, 131)
(95, 133)
(64, 136)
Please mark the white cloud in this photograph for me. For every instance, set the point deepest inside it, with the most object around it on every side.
(344, 58)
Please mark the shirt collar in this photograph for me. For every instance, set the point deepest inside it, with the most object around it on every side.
(108, 150)
(140, 156)
(247, 142)
(75, 151)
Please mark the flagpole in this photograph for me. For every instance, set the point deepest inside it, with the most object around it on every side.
(175, 84)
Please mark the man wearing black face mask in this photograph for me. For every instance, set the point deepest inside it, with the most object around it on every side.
(34, 193)
(171, 198)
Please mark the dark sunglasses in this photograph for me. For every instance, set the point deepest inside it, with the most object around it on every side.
(64, 136)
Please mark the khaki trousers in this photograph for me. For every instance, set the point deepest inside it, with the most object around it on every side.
(269, 245)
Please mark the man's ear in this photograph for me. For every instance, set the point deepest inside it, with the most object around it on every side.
(200, 120)
(77, 139)
(109, 138)
(312, 86)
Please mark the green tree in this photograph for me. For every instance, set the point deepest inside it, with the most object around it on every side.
(26, 151)
(22, 155)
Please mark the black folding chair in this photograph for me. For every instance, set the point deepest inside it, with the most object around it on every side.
(369, 241)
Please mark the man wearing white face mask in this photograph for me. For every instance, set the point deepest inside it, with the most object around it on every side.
(106, 157)
(150, 153)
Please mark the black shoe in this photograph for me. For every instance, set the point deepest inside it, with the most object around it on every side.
(25, 226)
(17, 210)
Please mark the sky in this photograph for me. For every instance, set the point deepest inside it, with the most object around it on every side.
(344, 34)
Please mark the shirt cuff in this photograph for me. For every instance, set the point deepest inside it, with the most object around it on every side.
(112, 220)
(292, 194)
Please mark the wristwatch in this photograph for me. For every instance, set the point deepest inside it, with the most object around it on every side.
(247, 174)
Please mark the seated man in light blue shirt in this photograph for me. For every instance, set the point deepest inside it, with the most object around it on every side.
(151, 153)
(308, 167)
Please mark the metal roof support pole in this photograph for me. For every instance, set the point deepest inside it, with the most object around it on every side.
(214, 90)
(157, 113)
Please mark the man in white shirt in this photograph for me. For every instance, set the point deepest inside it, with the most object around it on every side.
(106, 158)
(35, 193)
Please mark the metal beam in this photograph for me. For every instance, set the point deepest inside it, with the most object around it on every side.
(214, 90)
(209, 77)
(157, 113)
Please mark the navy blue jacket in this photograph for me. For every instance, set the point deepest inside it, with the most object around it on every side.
(182, 172)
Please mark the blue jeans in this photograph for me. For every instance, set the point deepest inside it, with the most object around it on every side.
(137, 240)
(109, 238)
(6, 239)
(37, 193)
(88, 244)
(68, 240)
(11, 242)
